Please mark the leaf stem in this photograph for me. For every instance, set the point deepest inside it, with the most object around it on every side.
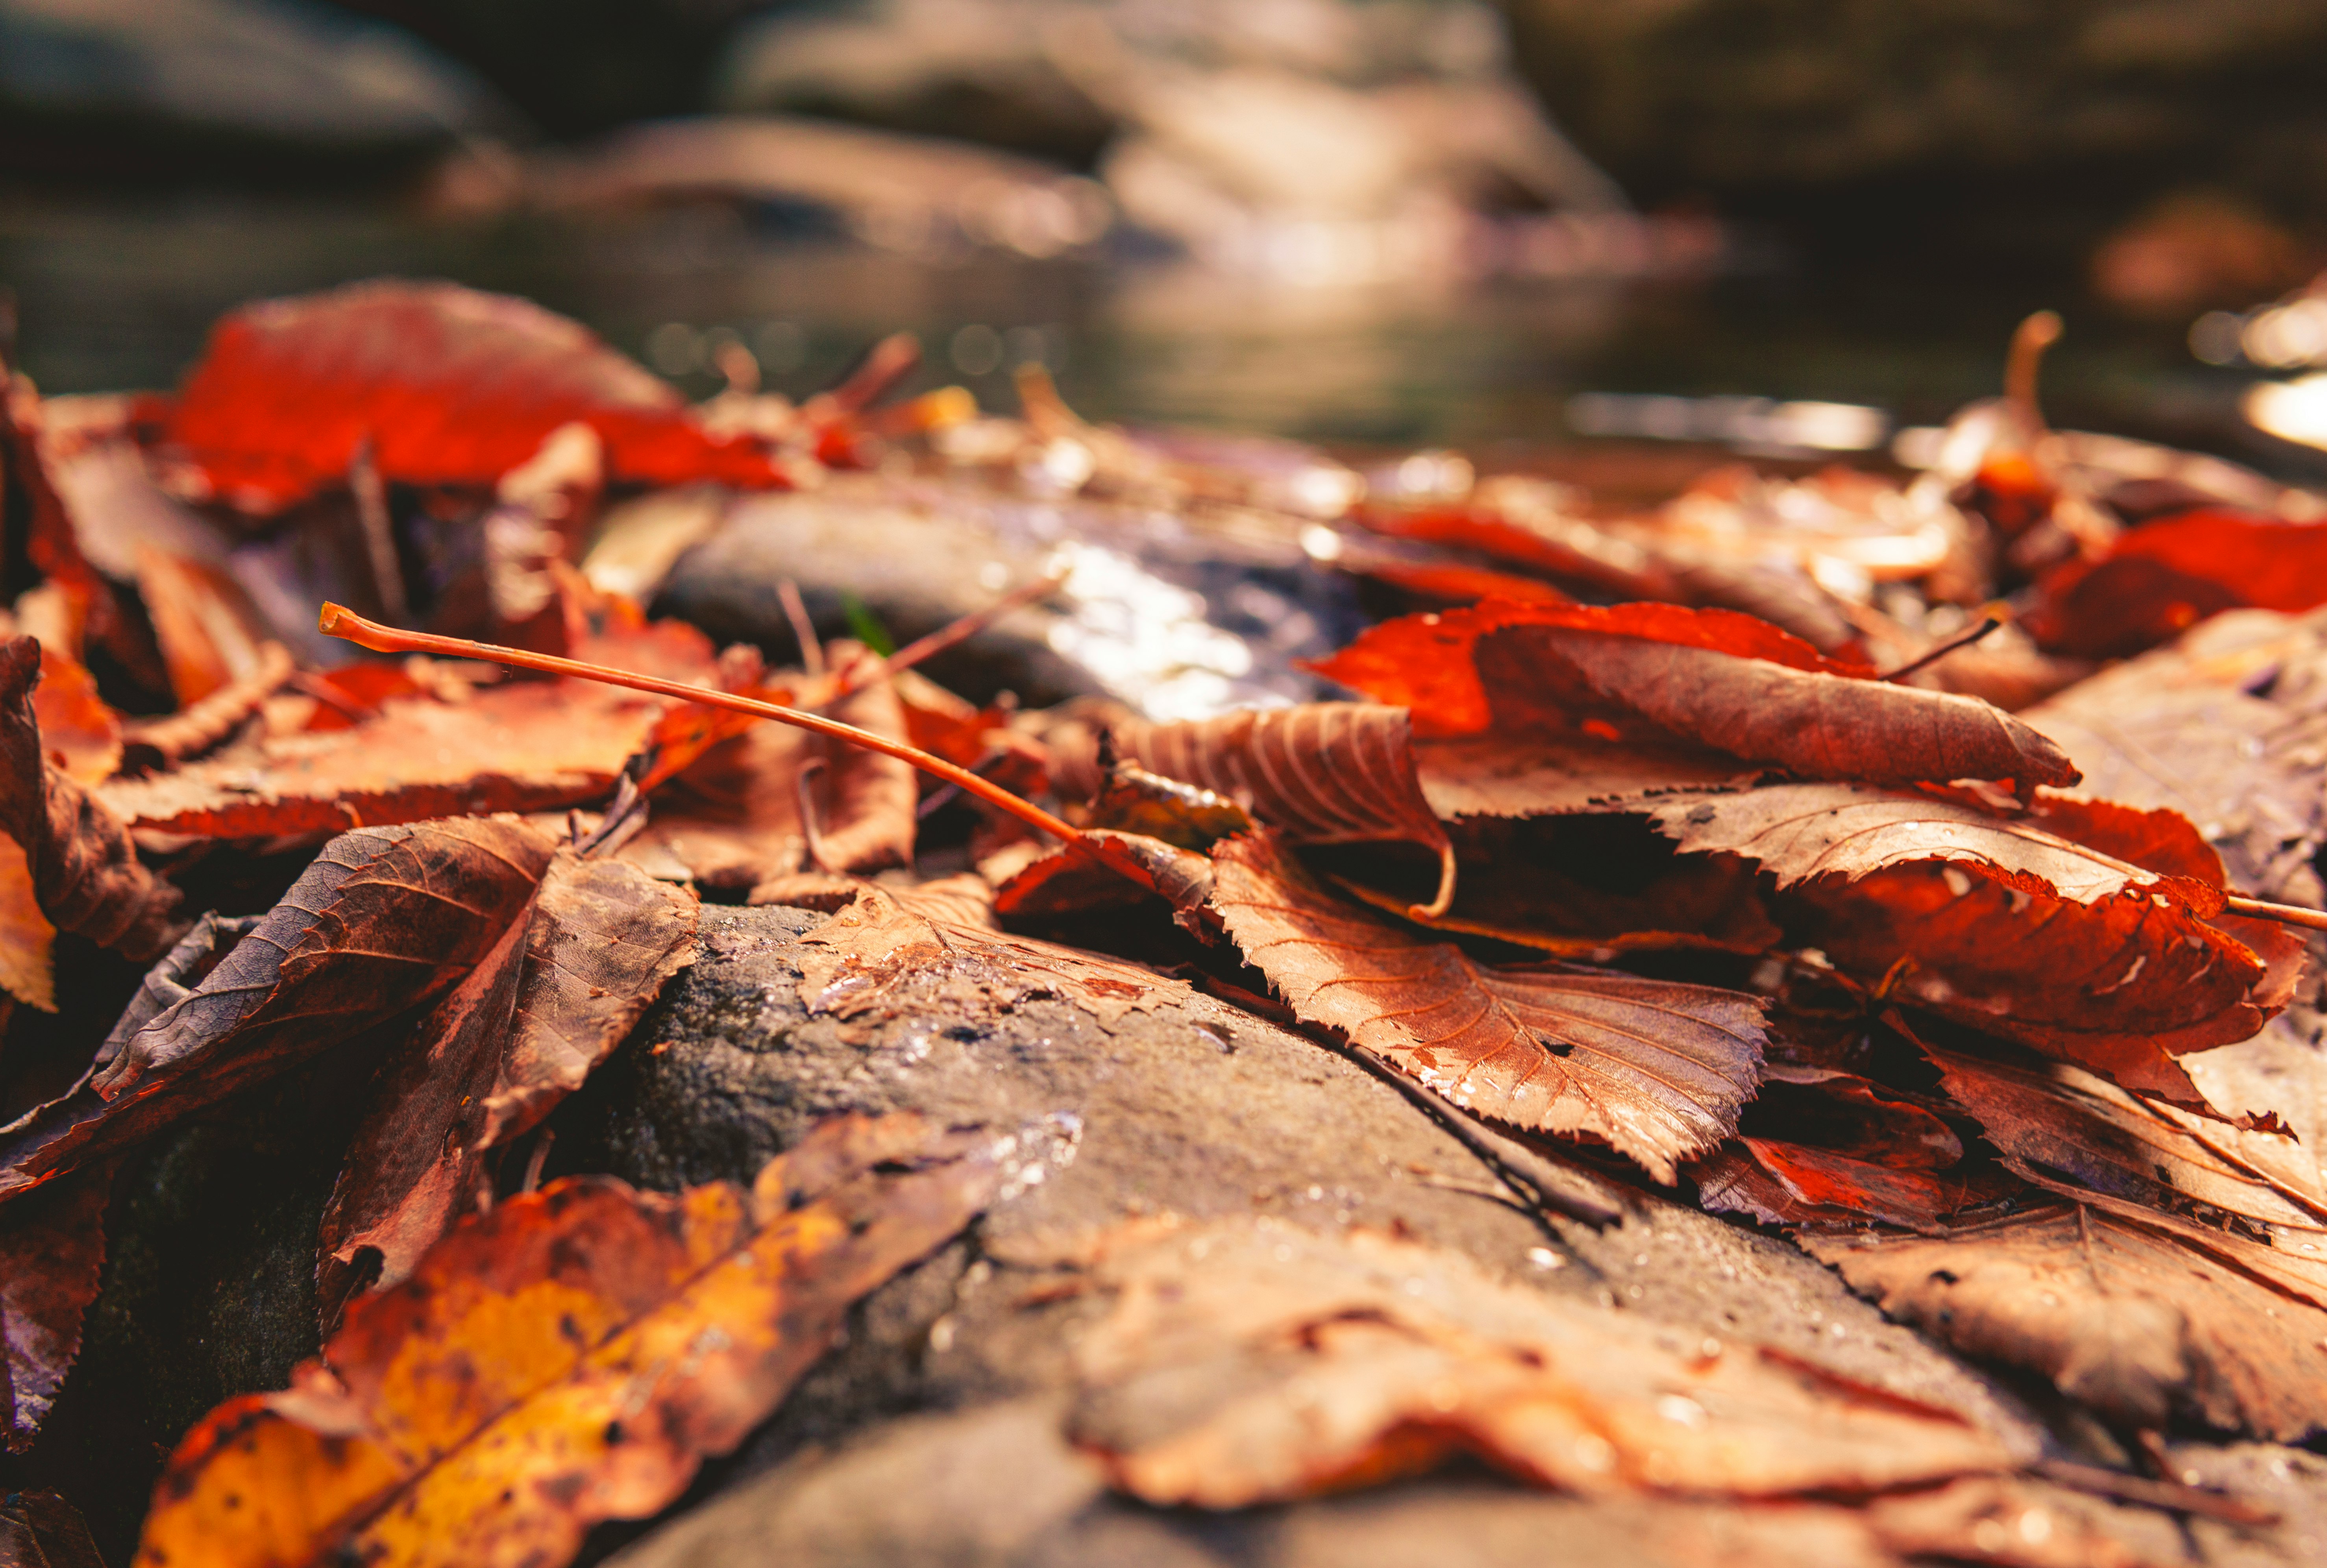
(2285, 914)
(1933, 655)
(338, 620)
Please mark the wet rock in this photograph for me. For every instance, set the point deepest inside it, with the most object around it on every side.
(1180, 615)
(1198, 1110)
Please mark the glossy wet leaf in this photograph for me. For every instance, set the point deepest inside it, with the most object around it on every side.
(569, 1357)
(1247, 1361)
(1655, 1069)
(385, 921)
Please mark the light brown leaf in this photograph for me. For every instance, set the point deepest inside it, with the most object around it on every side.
(211, 636)
(569, 1357)
(860, 960)
(1247, 1361)
(1319, 773)
(1507, 775)
(86, 874)
(557, 993)
(1655, 1069)
(2120, 1314)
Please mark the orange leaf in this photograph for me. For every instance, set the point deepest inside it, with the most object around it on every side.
(569, 1358)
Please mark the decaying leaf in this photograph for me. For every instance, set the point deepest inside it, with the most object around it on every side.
(556, 993)
(1249, 1360)
(52, 1250)
(1319, 773)
(570, 1356)
(450, 386)
(86, 874)
(385, 921)
(854, 964)
(2119, 1314)
(1655, 1069)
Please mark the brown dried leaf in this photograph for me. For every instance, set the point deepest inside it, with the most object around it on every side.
(211, 636)
(1814, 725)
(27, 938)
(79, 732)
(51, 1253)
(571, 1356)
(558, 992)
(386, 919)
(1796, 1184)
(2120, 1314)
(856, 962)
(1247, 1361)
(1320, 773)
(1655, 1069)
(1502, 775)
(86, 874)
(730, 819)
(163, 742)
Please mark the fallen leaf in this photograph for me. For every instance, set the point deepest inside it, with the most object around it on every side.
(571, 1356)
(862, 960)
(27, 938)
(1428, 663)
(732, 818)
(1135, 800)
(386, 919)
(211, 636)
(163, 742)
(40, 1529)
(559, 991)
(1502, 775)
(1320, 773)
(2121, 1315)
(1248, 1361)
(450, 386)
(79, 732)
(1799, 1185)
(520, 746)
(51, 1253)
(86, 874)
(1655, 1069)
(2163, 577)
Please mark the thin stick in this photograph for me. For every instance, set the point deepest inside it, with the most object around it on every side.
(1953, 644)
(338, 620)
(2285, 914)
(803, 630)
(2029, 341)
(864, 671)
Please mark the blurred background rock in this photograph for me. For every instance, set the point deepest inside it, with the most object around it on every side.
(1364, 220)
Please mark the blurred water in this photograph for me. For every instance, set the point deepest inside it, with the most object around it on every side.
(114, 296)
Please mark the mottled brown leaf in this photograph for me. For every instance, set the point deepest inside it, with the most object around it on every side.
(1655, 1069)
(859, 962)
(1247, 1361)
(558, 992)
(386, 919)
(1319, 773)
(86, 874)
(2120, 1314)
(569, 1357)
(51, 1253)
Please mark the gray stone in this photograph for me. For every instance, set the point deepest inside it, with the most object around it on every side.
(1198, 1110)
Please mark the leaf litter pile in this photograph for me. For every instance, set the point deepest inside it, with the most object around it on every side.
(1888, 862)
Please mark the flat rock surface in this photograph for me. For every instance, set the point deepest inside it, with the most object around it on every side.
(1197, 1110)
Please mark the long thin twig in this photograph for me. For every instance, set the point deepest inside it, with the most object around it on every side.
(1931, 656)
(803, 630)
(2285, 914)
(866, 670)
(338, 620)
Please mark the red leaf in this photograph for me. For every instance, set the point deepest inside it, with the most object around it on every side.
(2161, 578)
(451, 386)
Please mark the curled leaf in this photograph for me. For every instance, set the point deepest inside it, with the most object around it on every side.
(1319, 773)
(571, 1356)
(1655, 1069)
